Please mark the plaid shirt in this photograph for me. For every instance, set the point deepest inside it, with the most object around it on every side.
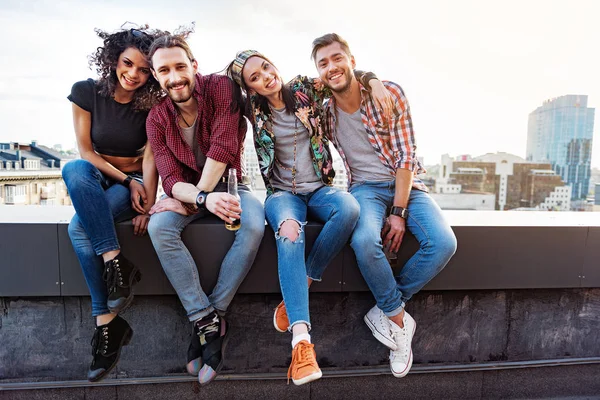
(220, 133)
(394, 143)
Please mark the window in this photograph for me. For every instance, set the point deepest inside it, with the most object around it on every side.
(15, 194)
(10, 194)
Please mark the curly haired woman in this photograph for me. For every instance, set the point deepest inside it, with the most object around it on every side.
(115, 180)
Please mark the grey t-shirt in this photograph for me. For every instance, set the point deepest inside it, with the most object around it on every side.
(365, 165)
(284, 126)
(189, 134)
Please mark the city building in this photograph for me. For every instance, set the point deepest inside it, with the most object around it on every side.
(514, 183)
(30, 174)
(341, 177)
(465, 201)
(560, 132)
(252, 169)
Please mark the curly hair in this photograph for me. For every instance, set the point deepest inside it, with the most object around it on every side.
(105, 59)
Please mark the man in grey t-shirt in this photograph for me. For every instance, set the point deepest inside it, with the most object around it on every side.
(379, 154)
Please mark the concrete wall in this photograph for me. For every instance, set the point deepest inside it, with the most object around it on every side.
(49, 339)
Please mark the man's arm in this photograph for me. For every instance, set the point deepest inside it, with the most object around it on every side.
(166, 163)
(225, 144)
(211, 174)
(402, 136)
(403, 144)
(397, 225)
(223, 205)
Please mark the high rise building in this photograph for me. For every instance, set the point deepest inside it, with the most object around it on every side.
(560, 132)
(513, 182)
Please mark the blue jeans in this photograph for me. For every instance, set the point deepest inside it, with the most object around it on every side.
(338, 211)
(437, 244)
(165, 231)
(99, 203)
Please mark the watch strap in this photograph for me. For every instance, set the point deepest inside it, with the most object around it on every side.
(201, 200)
(127, 181)
(399, 211)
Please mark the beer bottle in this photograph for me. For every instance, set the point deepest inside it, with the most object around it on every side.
(232, 189)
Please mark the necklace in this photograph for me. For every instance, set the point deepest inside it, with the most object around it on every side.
(293, 169)
(182, 117)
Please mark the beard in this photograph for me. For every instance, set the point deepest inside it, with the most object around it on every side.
(183, 95)
(345, 86)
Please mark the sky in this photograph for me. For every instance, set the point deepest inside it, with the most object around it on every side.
(472, 70)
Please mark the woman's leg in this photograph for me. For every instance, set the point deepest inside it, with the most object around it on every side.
(86, 184)
(286, 214)
(92, 229)
(339, 211)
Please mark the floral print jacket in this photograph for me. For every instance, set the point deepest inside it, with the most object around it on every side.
(309, 94)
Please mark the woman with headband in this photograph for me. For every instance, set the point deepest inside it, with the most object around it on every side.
(296, 166)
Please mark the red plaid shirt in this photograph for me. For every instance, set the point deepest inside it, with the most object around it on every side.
(220, 133)
(393, 142)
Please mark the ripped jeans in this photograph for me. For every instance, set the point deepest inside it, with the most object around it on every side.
(338, 211)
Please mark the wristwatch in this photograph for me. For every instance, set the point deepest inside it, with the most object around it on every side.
(201, 200)
(127, 181)
(399, 211)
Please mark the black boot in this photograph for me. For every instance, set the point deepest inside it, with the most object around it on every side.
(107, 343)
(120, 275)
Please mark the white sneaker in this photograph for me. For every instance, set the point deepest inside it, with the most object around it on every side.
(379, 324)
(401, 359)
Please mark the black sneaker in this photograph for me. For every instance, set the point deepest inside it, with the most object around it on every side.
(120, 275)
(194, 354)
(212, 333)
(107, 343)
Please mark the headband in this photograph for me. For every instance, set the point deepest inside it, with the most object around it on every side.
(238, 65)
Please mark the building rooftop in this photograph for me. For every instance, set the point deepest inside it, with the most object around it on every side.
(24, 154)
(54, 153)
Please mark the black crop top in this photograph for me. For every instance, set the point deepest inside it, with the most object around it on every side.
(117, 129)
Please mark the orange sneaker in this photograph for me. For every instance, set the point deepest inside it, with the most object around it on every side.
(280, 318)
(304, 367)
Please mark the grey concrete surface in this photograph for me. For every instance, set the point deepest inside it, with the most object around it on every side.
(49, 338)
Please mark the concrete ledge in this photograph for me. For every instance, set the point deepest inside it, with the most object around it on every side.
(496, 250)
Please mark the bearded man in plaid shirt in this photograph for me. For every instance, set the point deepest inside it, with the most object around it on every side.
(378, 149)
(197, 134)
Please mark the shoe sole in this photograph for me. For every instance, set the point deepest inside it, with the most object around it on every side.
(277, 328)
(124, 342)
(309, 378)
(410, 359)
(137, 277)
(387, 343)
(220, 366)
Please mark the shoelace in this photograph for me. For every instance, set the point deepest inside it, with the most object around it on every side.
(399, 355)
(100, 341)
(206, 330)
(112, 276)
(303, 357)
